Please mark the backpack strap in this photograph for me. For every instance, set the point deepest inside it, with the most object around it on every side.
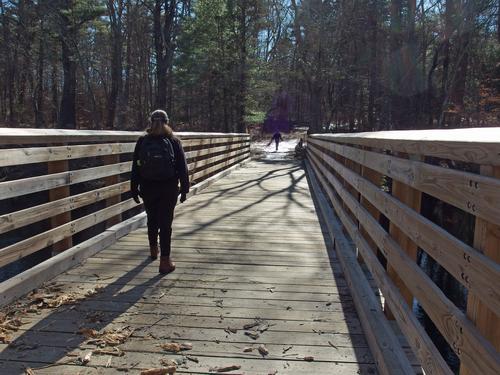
(170, 148)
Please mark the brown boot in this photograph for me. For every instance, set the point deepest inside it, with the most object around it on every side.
(166, 265)
(153, 250)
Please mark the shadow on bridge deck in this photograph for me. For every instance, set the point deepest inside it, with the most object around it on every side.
(250, 251)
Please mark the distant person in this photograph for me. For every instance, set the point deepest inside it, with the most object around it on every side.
(159, 164)
(276, 138)
(299, 149)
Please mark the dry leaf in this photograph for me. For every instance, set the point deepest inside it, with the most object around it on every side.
(187, 346)
(247, 349)
(159, 371)
(192, 359)
(171, 347)
(88, 332)
(252, 335)
(225, 368)
(92, 292)
(168, 362)
(117, 352)
(176, 347)
(331, 344)
(86, 359)
(4, 338)
(263, 350)
(251, 325)
(112, 337)
(29, 371)
(309, 358)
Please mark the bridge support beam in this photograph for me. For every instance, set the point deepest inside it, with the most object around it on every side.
(55, 194)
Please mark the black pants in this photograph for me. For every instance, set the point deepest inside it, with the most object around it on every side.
(160, 200)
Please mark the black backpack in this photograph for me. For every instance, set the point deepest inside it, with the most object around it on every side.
(157, 159)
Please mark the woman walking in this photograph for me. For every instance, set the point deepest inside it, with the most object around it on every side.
(159, 165)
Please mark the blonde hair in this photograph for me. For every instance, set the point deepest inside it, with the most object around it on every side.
(160, 128)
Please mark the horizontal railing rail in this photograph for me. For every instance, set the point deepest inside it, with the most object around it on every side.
(102, 160)
(369, 177)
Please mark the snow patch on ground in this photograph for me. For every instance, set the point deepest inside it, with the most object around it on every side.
(285, 151)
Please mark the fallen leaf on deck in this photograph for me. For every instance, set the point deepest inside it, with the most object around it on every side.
(168, 362)
(252, 335)
(187, 346)
(251, 325)
(247, 349)
(4, 338)
(117, 352)
(112, 337)
(88, 332)
(159, 371)
(29, 371)
(265, 327)
(331, 344)
(263, 350)
(93, 292)
(309, 358)
(192, 359)
(176, 347)
(86, 359)
(231, 330)
(225, 368)
(287, 349)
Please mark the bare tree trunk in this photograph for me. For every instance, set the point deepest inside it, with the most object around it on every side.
(410, 113)
(163, 34)
(115, 16)
(125, 97)
(242, 66)
(498, 21)
(67, 111)
(55, 94)
(396, 63)
(39, 90)
(448, 30)
(11, 64)
(372, 94)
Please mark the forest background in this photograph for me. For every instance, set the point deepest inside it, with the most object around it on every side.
(220, 65)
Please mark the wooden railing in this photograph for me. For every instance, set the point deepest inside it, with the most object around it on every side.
(367, 176)
(64, 157)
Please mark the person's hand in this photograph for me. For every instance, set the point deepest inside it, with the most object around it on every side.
(183, 197)
(135, 196)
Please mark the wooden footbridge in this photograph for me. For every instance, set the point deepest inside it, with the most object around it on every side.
(283, 266)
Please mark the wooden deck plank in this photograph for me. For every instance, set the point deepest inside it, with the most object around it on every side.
(249, 248)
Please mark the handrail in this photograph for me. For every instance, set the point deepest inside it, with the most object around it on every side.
(99, 158)
(369, 175)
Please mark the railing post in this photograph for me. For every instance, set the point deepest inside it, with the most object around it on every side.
(413, 199)
(487, 241)
(111, 180)
(55, 194)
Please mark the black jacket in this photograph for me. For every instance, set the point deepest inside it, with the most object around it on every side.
(136, 183)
